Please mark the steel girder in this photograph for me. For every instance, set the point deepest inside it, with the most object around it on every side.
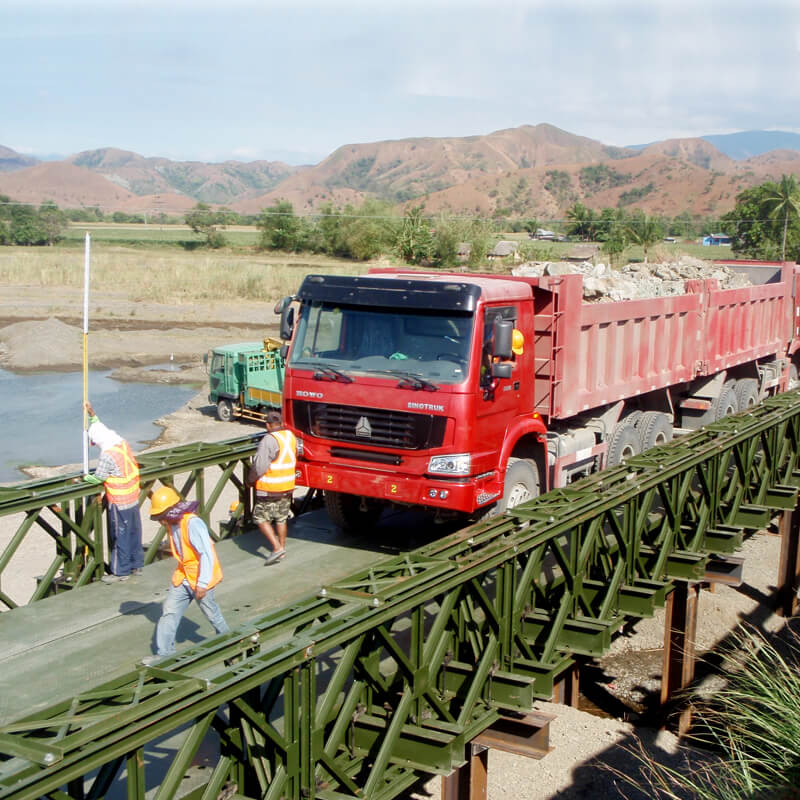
(382, 678)
(72, 516)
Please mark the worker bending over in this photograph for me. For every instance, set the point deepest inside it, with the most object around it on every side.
(118, 470)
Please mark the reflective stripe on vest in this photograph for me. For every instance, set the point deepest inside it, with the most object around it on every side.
(123, 490)
(280, 475)
(189, 561)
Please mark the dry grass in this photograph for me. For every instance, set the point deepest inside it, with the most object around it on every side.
(165, 276)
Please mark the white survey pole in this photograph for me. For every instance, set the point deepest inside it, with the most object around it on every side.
(86, 252)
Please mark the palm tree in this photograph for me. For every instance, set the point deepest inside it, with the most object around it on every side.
(784, 200)
(644, 231)
(581, 221)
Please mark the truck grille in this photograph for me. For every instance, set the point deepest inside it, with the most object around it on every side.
(369, 426)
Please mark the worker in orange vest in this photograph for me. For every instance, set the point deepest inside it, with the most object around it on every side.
(197, 573)
(118, 469)
(272, 473)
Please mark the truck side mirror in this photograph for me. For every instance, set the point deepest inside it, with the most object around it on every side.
(502, 369)
(503, 334)
(285, 309)
(205, 358)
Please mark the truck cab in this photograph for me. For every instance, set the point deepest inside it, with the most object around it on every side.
(404, 389)
(246, 379)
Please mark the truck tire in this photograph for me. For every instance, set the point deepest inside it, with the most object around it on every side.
(746, 393)
(720, 407)
(654, 428)
(225, 410)
(793, 383)
(521, 484)
(624, 444)
(725, 404)
(346, 512)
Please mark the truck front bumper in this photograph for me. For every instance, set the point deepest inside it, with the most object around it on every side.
(461, 494)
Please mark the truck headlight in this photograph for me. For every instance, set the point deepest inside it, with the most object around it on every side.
(458, 464)
(299, 447)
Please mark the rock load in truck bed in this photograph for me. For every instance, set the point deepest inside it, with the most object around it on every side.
(604, 284)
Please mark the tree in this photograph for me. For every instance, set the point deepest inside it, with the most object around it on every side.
(414, 240)
(447, 236)
(53, 221)
(783, 202)
(201, 219)
(756, 231)
(581, 221)
(26, 226)
(280, 227)
(643, 230)
(369, 231)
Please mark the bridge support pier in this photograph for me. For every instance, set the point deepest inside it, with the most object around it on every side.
(526, 736)
(680, 631)
(789, 567)
(568, 687)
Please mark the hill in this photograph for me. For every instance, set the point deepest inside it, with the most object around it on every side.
(746, 144)
(531, 171)
(10, 160)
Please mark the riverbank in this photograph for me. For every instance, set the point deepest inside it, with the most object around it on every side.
(40, 330)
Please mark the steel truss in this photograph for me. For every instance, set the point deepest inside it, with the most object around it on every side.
(71, 514)
(381, 679)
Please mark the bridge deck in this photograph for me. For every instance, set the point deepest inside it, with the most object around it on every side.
(63, 645)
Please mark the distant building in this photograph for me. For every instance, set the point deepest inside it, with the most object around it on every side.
(542, 233)
(716, 239)
(583, 252)
(503, 249)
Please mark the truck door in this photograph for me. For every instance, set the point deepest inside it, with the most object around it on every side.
(496, 408)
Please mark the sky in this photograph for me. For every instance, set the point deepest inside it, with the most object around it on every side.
(292, 82)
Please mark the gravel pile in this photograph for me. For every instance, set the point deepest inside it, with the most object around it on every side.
(602, 283)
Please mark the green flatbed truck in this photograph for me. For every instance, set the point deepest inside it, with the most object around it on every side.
(246, 380)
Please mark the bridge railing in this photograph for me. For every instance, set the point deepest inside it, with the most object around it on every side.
(381, 679)
(61, 525)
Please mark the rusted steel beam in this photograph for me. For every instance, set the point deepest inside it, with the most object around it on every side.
(680, 632)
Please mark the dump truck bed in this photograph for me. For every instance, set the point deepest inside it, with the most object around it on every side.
(589, 355)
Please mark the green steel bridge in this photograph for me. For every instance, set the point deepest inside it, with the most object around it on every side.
(361, 671)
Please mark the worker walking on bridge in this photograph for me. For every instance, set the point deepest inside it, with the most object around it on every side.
(118, 470)
(272, 473)
(197, 573)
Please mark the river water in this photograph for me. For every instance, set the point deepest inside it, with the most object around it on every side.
(41, 421)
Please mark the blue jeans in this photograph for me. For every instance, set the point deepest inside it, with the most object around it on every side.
(175, 605)
(125, 533)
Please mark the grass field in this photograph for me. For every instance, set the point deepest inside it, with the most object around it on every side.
(132, 235)
(169, 264)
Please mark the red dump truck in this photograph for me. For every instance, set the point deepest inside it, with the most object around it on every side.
(471, 393)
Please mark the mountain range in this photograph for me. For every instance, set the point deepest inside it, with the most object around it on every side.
(528, 171)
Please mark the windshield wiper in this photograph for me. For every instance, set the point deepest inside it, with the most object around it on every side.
(408, 380)
(326, 373)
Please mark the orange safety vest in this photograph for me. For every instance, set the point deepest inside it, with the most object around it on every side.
(189, 563)
(123, 490)
(280, 475)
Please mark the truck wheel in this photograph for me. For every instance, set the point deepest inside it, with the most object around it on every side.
(349, 513)
(746, 393)
(225, 410)
(624, 444)
(725, 404)
(654, 428)
(521, 484)
(793, 383)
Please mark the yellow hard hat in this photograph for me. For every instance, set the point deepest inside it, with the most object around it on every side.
(162, 499)
(517, 342)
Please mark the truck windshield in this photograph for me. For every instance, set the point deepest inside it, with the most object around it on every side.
(433, 345)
